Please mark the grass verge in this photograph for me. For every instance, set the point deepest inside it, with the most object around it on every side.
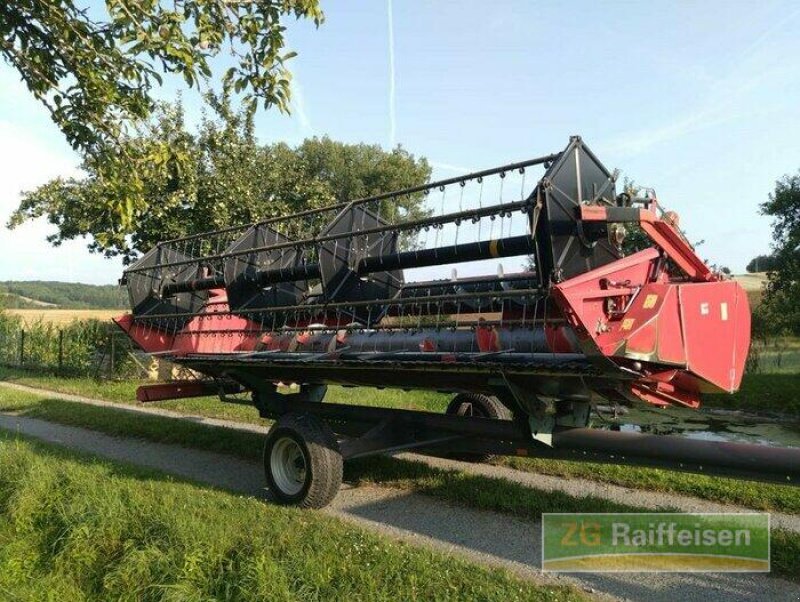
(762, 393)
(141, 536)
(759, 496)
(480, 492)
(752, 494)
(473, 491)
(759, 393)
(124, 392)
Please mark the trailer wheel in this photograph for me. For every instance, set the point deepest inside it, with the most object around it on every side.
(480, 406)
(302, 461)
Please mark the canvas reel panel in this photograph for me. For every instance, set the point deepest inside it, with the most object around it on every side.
(339, 260)
(248, 290)
(564, 248)
(147, 279)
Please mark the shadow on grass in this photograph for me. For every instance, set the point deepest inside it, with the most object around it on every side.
(469, 491)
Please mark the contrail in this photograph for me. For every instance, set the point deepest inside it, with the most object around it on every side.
(299, 107)
(392, 122)
(452, 167)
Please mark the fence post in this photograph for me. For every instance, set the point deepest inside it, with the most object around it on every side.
(21, 346)
(60, 350)
(113, 338)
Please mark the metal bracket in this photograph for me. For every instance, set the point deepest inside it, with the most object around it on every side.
(573, 414)
(389, 436)
(270, 402)
(569, 414)
(542, 428)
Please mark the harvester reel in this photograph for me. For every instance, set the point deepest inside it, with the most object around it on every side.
(574, 179)
(241, 270)
(338, 260)
(147, 278)
(330, 307)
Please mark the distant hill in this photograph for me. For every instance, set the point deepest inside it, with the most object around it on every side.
(38, 294)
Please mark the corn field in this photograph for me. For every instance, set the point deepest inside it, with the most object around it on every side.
(82, 347)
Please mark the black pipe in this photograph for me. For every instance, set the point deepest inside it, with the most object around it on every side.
(472, 251)
(743, 460)
(201, 284)
(758, 462)
(474, 280)
(503, 247)
(300, 272)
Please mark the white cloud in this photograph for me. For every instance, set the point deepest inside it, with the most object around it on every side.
(27, 161)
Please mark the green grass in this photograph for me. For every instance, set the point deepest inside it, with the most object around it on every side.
(762, 393)
(124, 392)
(752, 494)
(759, 496)
(452, 486)
(476, 491)
(408, 475)
(76, 528)
(131, 424)
(777, 355)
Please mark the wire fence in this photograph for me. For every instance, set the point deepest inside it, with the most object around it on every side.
(82, 348)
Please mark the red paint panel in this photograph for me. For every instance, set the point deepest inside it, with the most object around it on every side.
(654, 332)
(671, 347)
(716, 326)
(663, 396)
(559, 338)
(639, 327)
(487, 339)
(176, 390)
(148, 338)
(214, 331)
(582, 299)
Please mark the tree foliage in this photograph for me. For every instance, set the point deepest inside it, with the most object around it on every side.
(761, 263)
(782, 298)
(95, 70)
(227, 179)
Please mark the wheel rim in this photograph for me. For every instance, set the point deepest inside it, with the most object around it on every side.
(288, 466)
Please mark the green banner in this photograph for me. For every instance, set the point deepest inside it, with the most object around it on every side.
(655, 542)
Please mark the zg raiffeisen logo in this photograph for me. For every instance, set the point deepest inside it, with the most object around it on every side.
(656, 542)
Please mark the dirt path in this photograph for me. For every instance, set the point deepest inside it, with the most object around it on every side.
(573, 486)
(484, 537)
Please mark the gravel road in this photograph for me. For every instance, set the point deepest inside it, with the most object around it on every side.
(483, 537)
(572, 486)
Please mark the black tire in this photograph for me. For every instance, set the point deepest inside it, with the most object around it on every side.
(297, 439)
(480, 406)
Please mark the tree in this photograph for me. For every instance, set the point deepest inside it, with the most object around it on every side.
(228, 179)
(761, 263)
(95, 70)
(634, 238)
(782, 298)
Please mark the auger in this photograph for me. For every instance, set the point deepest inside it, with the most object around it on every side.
(325, 296)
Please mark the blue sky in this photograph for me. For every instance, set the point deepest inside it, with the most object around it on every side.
(699, 100)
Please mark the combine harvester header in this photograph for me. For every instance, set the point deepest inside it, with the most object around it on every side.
(325, 296)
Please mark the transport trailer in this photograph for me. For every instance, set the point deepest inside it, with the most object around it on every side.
(343, 295)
